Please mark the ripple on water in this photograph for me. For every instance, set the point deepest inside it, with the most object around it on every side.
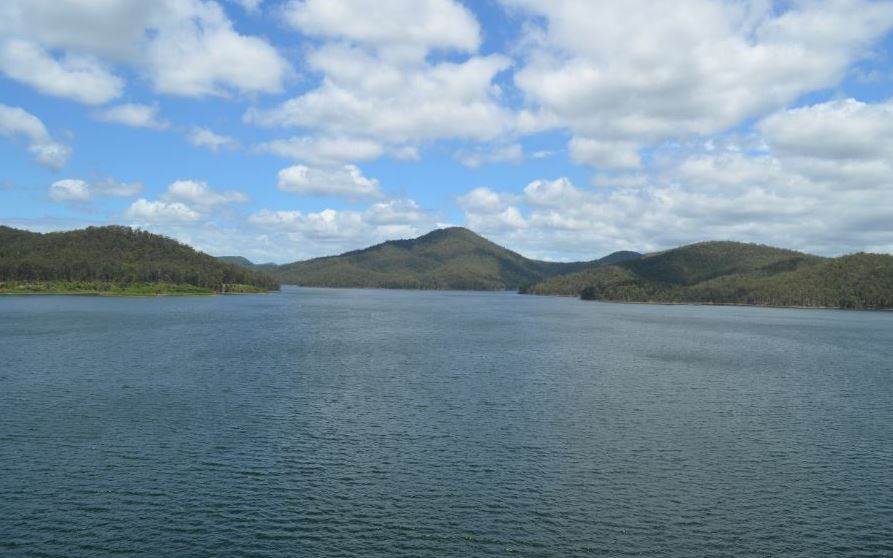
(377, 423)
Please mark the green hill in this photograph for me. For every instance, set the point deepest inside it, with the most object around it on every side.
(618, 257)
(451, 258)
(237, 260)
(115, 260)
(853, 281)
(735, 273)
(572, 284)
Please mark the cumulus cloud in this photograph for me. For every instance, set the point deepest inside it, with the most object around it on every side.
(203, 137)
(484, 200)
(69, 190)
(143, 211)
(406, 28)
(199, 195)
(324, 150)
(197, 52)
(347, 181)
(19, 123)
(328, 231)
(398, 102)
(846, 143)
(133, 114)
(397, 212)
(81, 78)
(184, 201)
(720, 194)
(77, 190)
(379, 82)
(184, 47)
(615, 154)
(618, 77)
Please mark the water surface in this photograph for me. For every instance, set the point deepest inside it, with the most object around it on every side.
(393, 423)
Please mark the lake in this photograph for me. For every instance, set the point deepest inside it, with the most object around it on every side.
(395, 423)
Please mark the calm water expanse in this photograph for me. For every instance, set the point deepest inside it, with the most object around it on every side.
(389, 423)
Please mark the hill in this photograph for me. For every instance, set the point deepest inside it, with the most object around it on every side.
(237, 260)
(115, 260)
(572, 284)
(450, 258)
(735, 273)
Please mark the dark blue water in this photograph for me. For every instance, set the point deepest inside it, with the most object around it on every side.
(387, 423)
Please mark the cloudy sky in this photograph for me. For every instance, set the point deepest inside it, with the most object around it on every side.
(564, 129)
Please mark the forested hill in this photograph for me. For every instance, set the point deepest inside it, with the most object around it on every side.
(450, 258)
(736, 273)
(237, 260)
(119, 256)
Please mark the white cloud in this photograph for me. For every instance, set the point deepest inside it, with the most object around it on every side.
(324, 150)
(402, 27)
(365, 95)
(200, 196)
(552, 193)
(16, 122)
(330, 231)
(837, 130)
(197, 52)
(379, 84)
(69, 190)
(613, 73)
(184, 47)
(347, 181)
(184, 202)
(77, 190)
(605, 153)
(395, 213)
(702, 196)
(484, 200)
(509, 219)
(133, 114)
(819, 178)
(203, 137)
(81, 78)
(149, 212)
(841, 144)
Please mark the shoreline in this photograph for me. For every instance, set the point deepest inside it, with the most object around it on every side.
(128, 295)
(736, 304)
(89, 288)
(577, 297)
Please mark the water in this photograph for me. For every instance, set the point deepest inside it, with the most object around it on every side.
(387, 423)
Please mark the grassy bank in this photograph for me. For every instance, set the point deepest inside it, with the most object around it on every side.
(99, 288)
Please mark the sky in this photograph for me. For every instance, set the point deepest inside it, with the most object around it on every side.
(562, 129)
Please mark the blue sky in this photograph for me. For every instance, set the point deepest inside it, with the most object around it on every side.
(282, 130)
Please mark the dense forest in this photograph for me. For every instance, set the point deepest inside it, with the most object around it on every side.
(107, 258)
(453, 258)
(121, 260)
(735, 273)
(450, 258)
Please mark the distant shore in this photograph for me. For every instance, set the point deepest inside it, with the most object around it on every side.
(739, 304)
(98, 288)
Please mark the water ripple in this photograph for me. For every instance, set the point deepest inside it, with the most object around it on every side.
(400, 424)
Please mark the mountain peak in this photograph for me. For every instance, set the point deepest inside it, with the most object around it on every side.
(447, 258)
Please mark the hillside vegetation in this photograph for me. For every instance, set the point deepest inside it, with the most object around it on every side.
(735, 273)
(451, 258)
(115, 260)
